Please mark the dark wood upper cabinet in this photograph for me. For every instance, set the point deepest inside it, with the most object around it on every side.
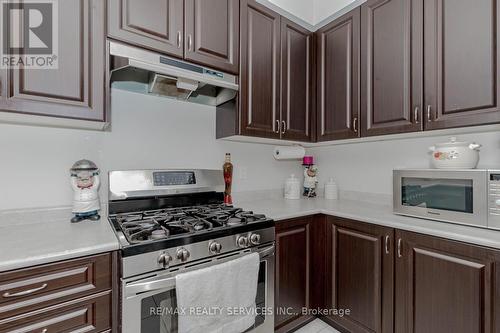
(260, 70)
(391, 66)
(445, 286)
(462, 59)
(338, 78)
(212, 33)
(155, 24)
(361, 271)
(297, 81)
(293, 270)
(76, 89)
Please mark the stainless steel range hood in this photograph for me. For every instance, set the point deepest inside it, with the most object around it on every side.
(138, 70)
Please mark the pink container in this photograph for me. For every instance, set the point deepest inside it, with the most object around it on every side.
(308, 160)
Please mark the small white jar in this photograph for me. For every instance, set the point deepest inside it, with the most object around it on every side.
(331, 190)
(292, 188)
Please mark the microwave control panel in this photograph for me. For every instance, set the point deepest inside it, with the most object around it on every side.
(494, 199)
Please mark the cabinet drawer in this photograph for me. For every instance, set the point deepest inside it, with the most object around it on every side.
(92, 314)
(33, 288)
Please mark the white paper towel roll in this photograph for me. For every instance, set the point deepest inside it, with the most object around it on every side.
(289, 153)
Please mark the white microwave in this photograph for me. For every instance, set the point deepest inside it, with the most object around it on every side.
(469, 197)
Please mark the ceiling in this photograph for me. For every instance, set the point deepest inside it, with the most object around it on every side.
(313, 11)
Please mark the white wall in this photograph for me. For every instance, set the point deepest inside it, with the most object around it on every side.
(300, 8)
(325, 8)
(312, 11)
(367, 166)
(147, 132)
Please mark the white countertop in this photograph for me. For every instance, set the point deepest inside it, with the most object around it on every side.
(35, 237)
(376, 213)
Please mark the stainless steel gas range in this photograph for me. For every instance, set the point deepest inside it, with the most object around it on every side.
(174, 221)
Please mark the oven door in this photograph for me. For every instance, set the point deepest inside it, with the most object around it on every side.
(142, 297)
(457, 196)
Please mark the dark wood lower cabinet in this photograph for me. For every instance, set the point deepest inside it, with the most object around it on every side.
(292, 272)
(370, 278)
(360, 276)
(79, 295)
(445, 286)
(91, 314)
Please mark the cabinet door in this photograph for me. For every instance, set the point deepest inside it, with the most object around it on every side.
(293, 271)
(361, 270)
(296, 86)
(153, 24)
(260, 70)
(391, 66)
(445, 286)
(212, 33)
(76, 89)
(338, 78)
(91, 314)
(462, 59)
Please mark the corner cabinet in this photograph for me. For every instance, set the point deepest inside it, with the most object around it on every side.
(360, 268)
(338, 78)
(391, 66)
(260, 70)
(77, 88)
(445, 286)
(156, 24)
(297, 72)
(462, 63)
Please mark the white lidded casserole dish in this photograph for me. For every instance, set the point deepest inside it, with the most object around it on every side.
(455, 155)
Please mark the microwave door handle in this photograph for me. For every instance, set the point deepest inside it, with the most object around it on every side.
(143, 287)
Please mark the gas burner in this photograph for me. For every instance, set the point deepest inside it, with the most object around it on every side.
(158, 224)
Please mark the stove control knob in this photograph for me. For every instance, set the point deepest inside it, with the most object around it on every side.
(215, 248)
(242, 241)
(183, 254)
(255, 239)
(164, 259)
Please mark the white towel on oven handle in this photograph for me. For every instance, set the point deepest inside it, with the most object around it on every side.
(223, 290)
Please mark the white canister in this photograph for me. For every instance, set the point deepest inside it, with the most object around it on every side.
(331, 190)
(292, 188)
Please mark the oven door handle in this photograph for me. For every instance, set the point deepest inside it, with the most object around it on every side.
(168, 283)
(266, 252)
(143, 287)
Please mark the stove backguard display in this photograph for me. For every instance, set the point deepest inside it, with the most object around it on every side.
(173, 178)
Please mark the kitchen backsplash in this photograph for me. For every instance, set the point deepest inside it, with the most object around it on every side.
(147, 132)
(367, 166)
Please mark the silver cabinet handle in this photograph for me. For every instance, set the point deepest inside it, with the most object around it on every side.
(355, 125)
(415, 115)
(179, 39)
(429, 111)
(399, 248)
(387, 244)
(44, 330)
(283, 124)
(26, 292)
(278, 127)
(190, 43)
